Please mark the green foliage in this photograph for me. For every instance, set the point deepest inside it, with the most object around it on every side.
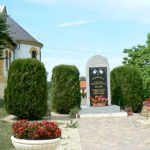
(126, 87)
(74, 111)
(72, 124)
(26, 92)
(5, 40)
(2, 109)
(139, 56)
(65, 90)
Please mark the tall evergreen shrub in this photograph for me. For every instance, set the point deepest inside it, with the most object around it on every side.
(65, 90)
(26, 92)
(126, 87)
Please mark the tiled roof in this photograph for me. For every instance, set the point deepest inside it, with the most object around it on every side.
(83, 84)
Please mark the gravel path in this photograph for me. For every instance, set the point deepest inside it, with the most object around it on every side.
(126, 133)
(70, 139)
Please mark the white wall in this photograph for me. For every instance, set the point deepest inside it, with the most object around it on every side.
(22, 51)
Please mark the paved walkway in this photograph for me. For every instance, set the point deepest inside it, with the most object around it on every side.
(126, 133)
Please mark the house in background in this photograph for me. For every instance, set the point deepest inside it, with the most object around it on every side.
(83, 90)
(26, 47)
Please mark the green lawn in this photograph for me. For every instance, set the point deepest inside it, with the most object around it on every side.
(5, 130)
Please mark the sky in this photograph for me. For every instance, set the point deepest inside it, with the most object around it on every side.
(73, 31)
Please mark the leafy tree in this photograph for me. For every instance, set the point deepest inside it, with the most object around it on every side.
(5, 40)
(139, 56)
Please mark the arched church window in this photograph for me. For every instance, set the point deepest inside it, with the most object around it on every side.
(6, 60)
(9, 58)
(34, 54)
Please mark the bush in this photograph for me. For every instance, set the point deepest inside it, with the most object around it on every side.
(146, 81)
(26, 92)
(126, 87)
(65, 90)
(74, 111)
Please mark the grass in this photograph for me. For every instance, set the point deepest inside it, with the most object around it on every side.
(5, 130)
(2, 110)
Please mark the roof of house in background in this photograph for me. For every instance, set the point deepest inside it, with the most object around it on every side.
(16, 32)
(83, 84)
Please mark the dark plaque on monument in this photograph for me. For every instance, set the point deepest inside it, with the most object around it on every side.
(98, 81)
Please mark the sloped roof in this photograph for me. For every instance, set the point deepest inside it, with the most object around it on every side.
(19, 34)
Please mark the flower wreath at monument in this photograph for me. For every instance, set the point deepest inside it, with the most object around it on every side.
(99, 101)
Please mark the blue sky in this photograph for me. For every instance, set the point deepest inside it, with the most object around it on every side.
(72, 31)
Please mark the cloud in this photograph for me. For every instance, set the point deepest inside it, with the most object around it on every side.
(74, 23)
(131, 5)
(132, 10)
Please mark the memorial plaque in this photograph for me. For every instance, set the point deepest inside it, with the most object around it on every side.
(98, 81)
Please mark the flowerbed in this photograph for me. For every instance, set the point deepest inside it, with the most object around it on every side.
(36, 130)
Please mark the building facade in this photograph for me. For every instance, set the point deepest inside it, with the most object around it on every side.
(26, 47)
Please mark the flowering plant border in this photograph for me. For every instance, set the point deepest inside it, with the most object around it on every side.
(36, 130)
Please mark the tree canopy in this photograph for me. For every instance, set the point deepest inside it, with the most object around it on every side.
(140, 57)
(5, 40)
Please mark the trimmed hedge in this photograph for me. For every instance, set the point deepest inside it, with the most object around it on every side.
(65, 90)
(26, 92)
(126, 87)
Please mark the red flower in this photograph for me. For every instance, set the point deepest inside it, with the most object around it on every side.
(36, 130)
(98, 99)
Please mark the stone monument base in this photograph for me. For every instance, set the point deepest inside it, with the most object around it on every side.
(106, 111)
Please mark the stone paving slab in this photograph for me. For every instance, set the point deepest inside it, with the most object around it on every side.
(127, 133)
(104, 115)
(97, 110)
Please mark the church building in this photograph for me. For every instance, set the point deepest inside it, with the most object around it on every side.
(26, 47)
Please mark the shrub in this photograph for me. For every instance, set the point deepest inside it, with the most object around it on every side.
(26, 92)
(126, 87)
(146, 80)
(65, 90)
(74, 111)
